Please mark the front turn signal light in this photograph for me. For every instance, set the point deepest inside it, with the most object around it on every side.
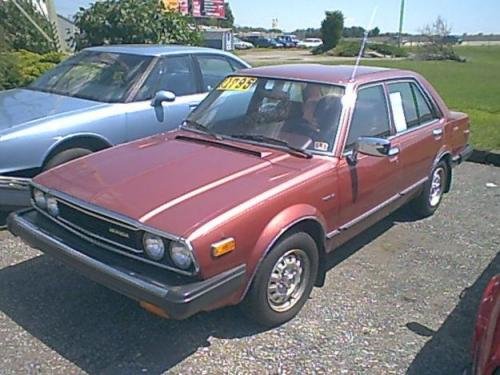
(223, 247)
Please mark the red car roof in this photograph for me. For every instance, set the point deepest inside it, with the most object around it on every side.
(330, 74)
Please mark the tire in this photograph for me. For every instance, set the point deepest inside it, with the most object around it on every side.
(428, 201)
(295, 253)
(65, 156)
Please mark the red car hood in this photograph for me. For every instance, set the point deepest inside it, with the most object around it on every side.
(173, 184)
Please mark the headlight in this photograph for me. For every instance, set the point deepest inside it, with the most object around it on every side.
(181, 255)
(40, 199)
(153, 246)
(52, 206)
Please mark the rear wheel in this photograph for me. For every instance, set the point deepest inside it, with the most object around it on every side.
(283, 281)
(65, 156)
(430, 198)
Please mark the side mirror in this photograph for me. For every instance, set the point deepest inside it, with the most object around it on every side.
(372, 146)
(162, 96)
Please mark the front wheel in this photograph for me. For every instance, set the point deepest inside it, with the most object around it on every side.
(429, 199)
(283, 281)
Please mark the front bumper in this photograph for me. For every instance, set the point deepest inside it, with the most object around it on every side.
(179, 296)
(14, 193)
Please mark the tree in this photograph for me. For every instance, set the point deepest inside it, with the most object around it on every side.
(439, 42)
(353, 32)
(331, 29)
(18, 33)
(374, 32)
(131, 21)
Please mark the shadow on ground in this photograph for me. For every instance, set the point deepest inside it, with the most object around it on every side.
(449, 349)
(103, 332)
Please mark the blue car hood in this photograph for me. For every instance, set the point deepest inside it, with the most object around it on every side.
(21, 106)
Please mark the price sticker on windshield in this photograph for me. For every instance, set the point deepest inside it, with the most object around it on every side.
(237, 84)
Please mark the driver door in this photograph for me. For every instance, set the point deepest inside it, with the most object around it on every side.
(171, 73)
(369, 185)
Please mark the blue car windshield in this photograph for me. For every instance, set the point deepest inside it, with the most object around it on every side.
(93, 75)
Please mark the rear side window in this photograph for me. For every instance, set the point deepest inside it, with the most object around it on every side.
(370, 117)
(174, 73)
(213, 70)
(409, 106)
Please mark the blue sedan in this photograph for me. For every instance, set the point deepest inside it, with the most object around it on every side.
(102, 96)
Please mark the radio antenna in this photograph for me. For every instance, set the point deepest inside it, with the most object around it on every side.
(363, 43)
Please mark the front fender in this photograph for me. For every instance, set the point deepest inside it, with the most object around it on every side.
(73, 137)
(276, 228)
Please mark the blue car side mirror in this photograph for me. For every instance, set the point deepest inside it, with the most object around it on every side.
(162, 96)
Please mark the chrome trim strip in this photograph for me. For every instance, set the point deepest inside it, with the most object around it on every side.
(375, 209)
(90, 213)
(87, 233)
(14, 183)
(109, 215)
(110, 248)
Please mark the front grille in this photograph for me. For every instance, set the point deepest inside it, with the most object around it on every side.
(106, 229)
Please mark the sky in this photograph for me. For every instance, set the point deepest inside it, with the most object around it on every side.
(464, 16)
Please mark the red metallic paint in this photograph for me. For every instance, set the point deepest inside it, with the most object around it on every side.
(207, 192)
(486, 341)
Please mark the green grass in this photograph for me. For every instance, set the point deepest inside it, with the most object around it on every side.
(472, 87)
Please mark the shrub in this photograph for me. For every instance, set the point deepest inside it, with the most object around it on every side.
(347, 49)
(18, 69)
(388, 49)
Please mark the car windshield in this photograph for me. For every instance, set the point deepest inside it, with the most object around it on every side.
(99, 76)
(302, 115)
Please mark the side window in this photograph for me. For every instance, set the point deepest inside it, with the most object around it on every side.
(370, 117)
(236, 64)
(424, 110)
(174, 74)
(213, 70)
(409, 107)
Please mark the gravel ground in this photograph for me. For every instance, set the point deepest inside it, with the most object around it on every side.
(399, 298)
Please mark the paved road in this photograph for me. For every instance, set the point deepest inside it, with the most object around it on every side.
(401, 297)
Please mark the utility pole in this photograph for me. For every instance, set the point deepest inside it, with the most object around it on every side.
(401, 16)
(52, 14)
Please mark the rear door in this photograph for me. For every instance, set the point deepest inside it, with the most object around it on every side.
(171, 73)
(419, 130)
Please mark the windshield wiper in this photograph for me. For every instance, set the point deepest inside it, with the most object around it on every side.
(198, 126)
(274, 141)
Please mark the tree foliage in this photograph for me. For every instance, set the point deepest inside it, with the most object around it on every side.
(131, 21)
(331, 29)
(439, 42)
(20, 68)
(18, 33)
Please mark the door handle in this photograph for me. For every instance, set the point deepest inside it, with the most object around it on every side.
(437, 132)
(193, 106)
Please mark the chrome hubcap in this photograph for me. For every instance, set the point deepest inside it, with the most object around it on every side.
(436, 187)
(288, 280)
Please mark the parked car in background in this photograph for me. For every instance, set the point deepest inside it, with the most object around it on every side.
(486, 341)
(310, 43)
(288, 41)
(275, 169)
(241, 44)
(98, 98)
(262, 42)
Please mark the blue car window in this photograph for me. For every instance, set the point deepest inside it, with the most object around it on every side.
(172, 73)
